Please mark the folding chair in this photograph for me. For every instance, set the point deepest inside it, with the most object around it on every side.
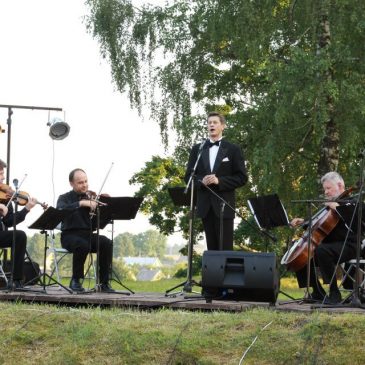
(59, 253)
(3, 258)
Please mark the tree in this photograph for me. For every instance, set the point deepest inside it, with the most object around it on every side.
(148, 243)
(289, 75)
(35, 248)
(123, 245)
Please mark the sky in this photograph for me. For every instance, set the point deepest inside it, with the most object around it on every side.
(49, 60)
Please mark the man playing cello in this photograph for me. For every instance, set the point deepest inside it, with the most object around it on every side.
(337, 247)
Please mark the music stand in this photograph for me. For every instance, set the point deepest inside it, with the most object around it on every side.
(117, 208)
(182, 198)
(269, 212)
(48, 221)
(179, 198)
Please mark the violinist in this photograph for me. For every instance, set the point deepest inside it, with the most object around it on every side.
(337, 247)
(7, 215)
(77, 236)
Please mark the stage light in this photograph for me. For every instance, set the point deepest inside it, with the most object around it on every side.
(58, 129)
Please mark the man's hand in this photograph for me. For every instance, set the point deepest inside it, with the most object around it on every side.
(3, 210)
(210, 179)
(31, 203)
(88, 204)
(332, 205)
(296, 222)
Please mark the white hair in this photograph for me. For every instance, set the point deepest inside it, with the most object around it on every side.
(333, 176)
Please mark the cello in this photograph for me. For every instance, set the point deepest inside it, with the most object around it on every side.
(323, 222)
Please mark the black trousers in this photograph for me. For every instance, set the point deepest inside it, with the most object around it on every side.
(326, 257)
(6, 240)
(211, 224)
(80, 244)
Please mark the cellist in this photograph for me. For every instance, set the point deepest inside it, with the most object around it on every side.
(337, 247)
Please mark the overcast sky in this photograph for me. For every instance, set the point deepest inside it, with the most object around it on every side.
(48, 60)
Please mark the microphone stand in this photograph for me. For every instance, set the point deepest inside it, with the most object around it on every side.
(14, 198)
(187, 285)
(355, 300)
(13, 243)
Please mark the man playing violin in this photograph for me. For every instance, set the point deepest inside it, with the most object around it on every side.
(7, 215)
(337, 247)
(77, 236)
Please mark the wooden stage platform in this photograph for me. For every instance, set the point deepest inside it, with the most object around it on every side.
(149, 301)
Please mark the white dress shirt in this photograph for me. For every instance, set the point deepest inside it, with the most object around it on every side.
(213, 151)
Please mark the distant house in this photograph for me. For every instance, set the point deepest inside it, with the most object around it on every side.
(143, 261)
(150, 275)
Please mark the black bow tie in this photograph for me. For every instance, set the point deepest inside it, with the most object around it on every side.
(211, 144)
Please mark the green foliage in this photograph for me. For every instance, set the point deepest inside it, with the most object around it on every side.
(196, 265)
(154, 180)
(35, 247)
(124, 272)
(289, 75)
(148, 243)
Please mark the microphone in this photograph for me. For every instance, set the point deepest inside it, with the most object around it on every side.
(16, 182)
(202, 144)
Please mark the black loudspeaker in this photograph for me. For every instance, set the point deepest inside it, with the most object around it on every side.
(236, 275)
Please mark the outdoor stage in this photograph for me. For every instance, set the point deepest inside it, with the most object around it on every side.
(150, 301)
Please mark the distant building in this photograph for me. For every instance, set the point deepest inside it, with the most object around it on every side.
(150, 275)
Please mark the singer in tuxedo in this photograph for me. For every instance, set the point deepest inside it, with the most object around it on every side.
(222, 168)
(7, 215)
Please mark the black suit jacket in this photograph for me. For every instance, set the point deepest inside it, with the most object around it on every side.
(230, 170)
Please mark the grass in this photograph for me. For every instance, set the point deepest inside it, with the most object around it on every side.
(52, 335)
(45, 334)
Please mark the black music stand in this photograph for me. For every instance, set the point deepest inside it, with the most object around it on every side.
(182, 198)
(179, 198)
(117, 208)
(268, 212)
(48, 221)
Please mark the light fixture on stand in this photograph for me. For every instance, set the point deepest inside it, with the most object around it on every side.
(58, 129)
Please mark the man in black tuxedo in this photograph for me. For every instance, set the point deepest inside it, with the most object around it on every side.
(77, 236)
(222, 168)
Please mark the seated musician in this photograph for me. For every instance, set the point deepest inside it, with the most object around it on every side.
(7, 215)
(77, 236)
(337, 247)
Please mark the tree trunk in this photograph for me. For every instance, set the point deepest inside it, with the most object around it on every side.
(329, 149)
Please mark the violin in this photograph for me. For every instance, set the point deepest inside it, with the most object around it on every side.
(22, 198)
(91, 195)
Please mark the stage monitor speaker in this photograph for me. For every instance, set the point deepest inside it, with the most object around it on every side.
(236, 275)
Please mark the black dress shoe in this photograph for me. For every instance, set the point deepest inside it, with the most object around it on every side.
(15, 284)
(316, 295)
(333, 298)
(106, 288)
(76, 286)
